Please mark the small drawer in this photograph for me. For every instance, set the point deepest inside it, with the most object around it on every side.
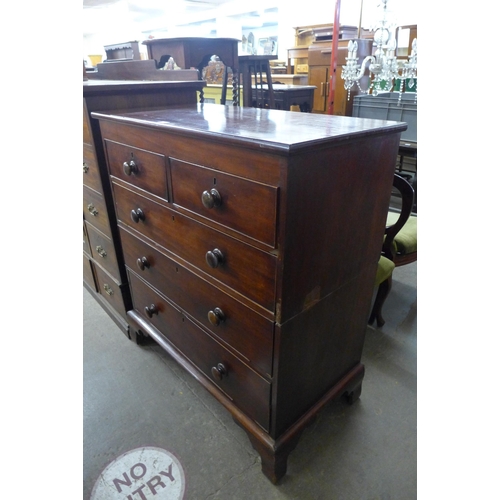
(242, 267)
(91, 177)
(88, 275)
(103, 250)
(109, 289)
(94, 210)
(247, 389)
(241, 204)
(245, 331)
(141, 168)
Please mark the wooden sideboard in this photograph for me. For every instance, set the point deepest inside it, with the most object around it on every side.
(251, 239)
(103, 264)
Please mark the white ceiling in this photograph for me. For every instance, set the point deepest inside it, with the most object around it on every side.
(148, 15)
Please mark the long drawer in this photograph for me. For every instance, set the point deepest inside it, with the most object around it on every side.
(94, 210)
(242, 329)
(242, 267)
(103, 250)
(241, 204)
(246, 388)
(109, 289)
(88, 275)
(91, 175)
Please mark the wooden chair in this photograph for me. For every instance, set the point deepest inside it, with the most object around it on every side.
(399, 247)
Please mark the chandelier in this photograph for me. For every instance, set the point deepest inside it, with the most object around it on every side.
(385, 69)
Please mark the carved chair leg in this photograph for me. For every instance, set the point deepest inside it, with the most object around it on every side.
(382, 293)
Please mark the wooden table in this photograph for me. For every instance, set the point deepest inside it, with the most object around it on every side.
(195, 52)
(255, 66)
(285, 96)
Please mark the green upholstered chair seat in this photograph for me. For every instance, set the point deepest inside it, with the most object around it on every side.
(399, 247)
(384, 270)
(405, 241)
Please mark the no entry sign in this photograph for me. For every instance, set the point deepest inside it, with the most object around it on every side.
(141, 474)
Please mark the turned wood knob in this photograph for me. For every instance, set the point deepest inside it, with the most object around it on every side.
(150, 310)
(219, 371)
(137, 215)
(214, 258)
(216, 317)
(211, 199)
(130, 167)
(142, 263)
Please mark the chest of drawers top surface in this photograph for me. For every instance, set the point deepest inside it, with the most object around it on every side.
(262, 129)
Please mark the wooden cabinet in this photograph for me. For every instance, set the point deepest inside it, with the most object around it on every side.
(313, 54)
(104, 272)
(251, 239)
(319, 57)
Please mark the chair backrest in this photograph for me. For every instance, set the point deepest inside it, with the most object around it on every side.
(407, 198)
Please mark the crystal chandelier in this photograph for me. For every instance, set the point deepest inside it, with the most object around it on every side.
(383, 64)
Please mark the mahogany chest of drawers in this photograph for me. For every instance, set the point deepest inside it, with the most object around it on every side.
(251, 239)
(103, 265)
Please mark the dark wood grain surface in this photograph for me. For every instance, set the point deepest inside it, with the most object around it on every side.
(304, 261)
(273, 129)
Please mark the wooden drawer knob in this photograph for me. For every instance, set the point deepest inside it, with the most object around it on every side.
(130, 167)
(150, 310)
(219, 371)
(211, 199)
(216, 317)
(214, 258)
(142, 263)
(137, 215)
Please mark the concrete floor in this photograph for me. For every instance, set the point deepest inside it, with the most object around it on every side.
(138, 396)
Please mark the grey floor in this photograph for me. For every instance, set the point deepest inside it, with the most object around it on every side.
(138, 396)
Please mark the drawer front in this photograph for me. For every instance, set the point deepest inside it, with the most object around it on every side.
(240, 266)
(109, 289)
(243, 205)
(91, 177)
(320, 56)
(141, 168)
(88, 275)
(86, 243)
(246, 388)
(87, 135)
(103, 250)
(245, 331)
(94, 210)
